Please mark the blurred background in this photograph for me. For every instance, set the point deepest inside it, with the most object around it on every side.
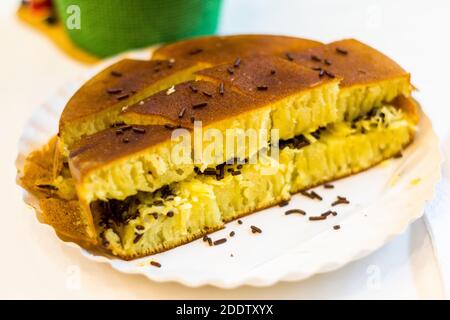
(47, 44)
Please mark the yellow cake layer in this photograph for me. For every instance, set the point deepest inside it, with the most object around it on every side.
(203, 202)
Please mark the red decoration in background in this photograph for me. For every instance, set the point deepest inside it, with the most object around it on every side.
(39, 5)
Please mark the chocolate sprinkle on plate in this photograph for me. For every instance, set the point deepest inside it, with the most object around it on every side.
(315, 195)
(297, 211)
(155, 264)
(283, 203)
(328, 186)
(239, 221)
(336, 227)
(220, 241)
(340, 200)
(317, 218)
(255, 229)
(232, 234)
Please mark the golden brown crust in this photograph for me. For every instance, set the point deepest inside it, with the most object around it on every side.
(356, 62)
(126, 77)
(217, 50)
(95, 150)
(162, 108)
(65, 216)
(265, 78)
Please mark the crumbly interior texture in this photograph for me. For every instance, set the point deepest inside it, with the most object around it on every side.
(153, 168)
(359, 99)
(149, 222)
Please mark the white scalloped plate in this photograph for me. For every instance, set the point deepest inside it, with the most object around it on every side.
(384, 201)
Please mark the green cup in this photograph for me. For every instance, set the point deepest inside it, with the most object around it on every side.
(107, 27)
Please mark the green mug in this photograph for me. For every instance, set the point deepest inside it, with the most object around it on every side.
(107, 27)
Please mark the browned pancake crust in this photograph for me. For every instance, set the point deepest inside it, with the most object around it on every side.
(182, 106)
(124, 79)
(355, 62)
(216, 50)
(98, 149)
(265, 78)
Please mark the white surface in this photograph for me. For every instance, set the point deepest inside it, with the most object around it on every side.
(290, 248)
(36, 266)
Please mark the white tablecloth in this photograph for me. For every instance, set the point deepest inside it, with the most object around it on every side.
(414, 265)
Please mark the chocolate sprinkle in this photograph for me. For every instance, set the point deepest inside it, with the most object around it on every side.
(195, 51)
(138, 130)
(169, 126)
(329, 74)
(237, 62)
(170, 214)
(283, 203)
(328, 186)
(205, 238)
(155, 264)
(115, 73)
(341, 51)
(336, 227)
(139, 227)
(340, 200)
(255, 229)
(137, 238)
(207, 94)
(315, 58)
(317, 218)
(193, 88)
(239, 221)
(262, 88)
(315, 195)
(114, 90)
(298, 211)
(289, 56)
(47, 186)
(221, 88)
(199, 105)
(123, 96)
(220, 241)
(232, 234)
(210, 241)
(181, 113)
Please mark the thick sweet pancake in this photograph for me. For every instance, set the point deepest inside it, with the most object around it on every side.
(216, 50)
(368, 76)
